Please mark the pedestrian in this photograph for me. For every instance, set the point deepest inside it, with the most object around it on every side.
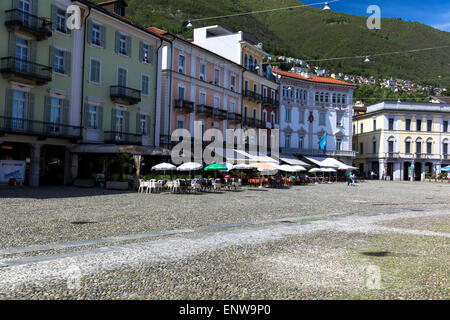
(372, 175)
(349, 180)
(353, 180)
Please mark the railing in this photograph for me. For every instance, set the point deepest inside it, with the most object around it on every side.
(121, 94)
(204, 109)
(38, 128)
(232, 116)
(219, 113)
(41, 28)
(252, 95)
(114, 137)
(184, 105)
(392, 155)
(270, 101)
(317, 152)
(12, 68)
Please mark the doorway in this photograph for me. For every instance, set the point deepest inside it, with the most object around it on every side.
(406, 167)
(52, 165)
(418, 171)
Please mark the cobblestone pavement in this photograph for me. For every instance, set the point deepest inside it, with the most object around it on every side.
(307, 242)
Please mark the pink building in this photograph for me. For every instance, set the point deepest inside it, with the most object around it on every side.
(201, 90)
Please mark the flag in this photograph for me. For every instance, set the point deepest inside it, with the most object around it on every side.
(323, 144)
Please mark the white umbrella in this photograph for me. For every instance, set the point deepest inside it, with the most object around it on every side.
(164, 167)
(242, 166)
(328, 170)
(315, 170)
(299, 168)
(228, 165)
(287, 168)
(190, 166)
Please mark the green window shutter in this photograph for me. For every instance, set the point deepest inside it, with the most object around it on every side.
(66, 112)
(100, 118)
(148, 125)
(12, 44)
(35, 6)
(113, 119)
(89, 31)
(47, 110)
(116, 49)
(103, 35)
(51, 58)
(9, 100)
(141, 51)
(129, 45)
(86, 115)
(33, 53)
(68, 63)
(138, 123)
(150, 54)
(53, 16)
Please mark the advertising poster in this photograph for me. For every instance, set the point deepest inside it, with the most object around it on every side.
(11, 169)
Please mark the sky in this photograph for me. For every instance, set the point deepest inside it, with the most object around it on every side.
(435, 13)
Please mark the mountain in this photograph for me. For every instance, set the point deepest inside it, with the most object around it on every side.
(311, 33)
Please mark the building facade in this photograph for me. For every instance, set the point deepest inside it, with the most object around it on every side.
(200, 90)
(402, 141)
(310, 107)
(260, 103)
(40, 117)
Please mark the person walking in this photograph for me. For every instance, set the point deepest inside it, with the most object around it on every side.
(349, 180)
(353, 180)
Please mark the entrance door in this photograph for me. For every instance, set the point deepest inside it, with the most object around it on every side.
(417, 171)
(22, 54)
(406, 167)
(390, 170)
(52, 165)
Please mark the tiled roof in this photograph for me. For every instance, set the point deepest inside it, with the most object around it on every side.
(443, 99)
(157, 30)
(313, 78)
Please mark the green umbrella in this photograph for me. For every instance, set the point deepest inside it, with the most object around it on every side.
(216, 166)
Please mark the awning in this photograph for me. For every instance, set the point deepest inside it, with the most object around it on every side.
(293, 161)
(329, 163)
(110, 149)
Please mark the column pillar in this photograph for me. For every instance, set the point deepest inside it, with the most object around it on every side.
(381, 169)
(35, 164)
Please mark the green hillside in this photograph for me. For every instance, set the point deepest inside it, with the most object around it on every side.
(311, 33)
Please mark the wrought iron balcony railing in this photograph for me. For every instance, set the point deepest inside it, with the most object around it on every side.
(25, 71)
(270, 101)
(38, 128)
(18, 20)
(234, 117)
(123, 138)
(252, 95)
(124, 95)
(219, 113)
(184, 105)
(204, 109)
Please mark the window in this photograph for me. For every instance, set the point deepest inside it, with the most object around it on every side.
(22, 53)
(55, 115)
(180, 124)
(374, 124)
(391, 124)
(418, 125)
(123, 45)
(361, 148)
(18, 110)
(301, 116)
(344, 99)
(245, 112)
(61, 21)
(374, 147)
(322, 119)
(92, 117)
(445, 126)
(408, 125)
(339, 120)
(300, 142)
(145, 85)
(216, 101)
(429, 125)
(202, 72)
(430, 147)
(272, 118)
(202, 97)
(181, 63)
(338, 144)
(254, 114)
(217, 76)
(255, 88)
(120, 123)
(95, 71)
(232, 106)
(287, 141)
(445, 148)
(96, 34)
(146, 54)
(264, 116)
(58, 65)
(391, 146)
(288, 115)
(407, 147)
(143, 124)
(418, 147)
(361, 128)
(122, 77)
(233, 83)
(181, 93)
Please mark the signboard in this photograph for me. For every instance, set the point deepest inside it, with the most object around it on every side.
(10, 169)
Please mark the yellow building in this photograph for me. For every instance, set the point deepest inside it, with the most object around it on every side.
(402, 141)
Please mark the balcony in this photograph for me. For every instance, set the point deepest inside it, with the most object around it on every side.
(220, 114)
(25, 71)
(252, 95)
(319, 153)
(184, 105)
(18, 20)
(123, 138)
(38, 128)
(269, 101)
(124, 95)
(249, 122)
(203, 109)
(234, 117)
(392, 155)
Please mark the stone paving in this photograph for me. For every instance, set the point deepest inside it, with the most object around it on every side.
(253, 244)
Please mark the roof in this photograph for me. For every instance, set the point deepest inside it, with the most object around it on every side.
(313, 78)
(445, 100)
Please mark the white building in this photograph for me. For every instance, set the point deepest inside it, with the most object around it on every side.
(310, 107)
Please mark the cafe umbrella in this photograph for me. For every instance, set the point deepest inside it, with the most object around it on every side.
(164, 167)
(216, 167)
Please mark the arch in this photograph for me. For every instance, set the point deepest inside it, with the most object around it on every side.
(445, 140)
(419, 139)
(430, 139)
(391, 139)
(408, 139)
